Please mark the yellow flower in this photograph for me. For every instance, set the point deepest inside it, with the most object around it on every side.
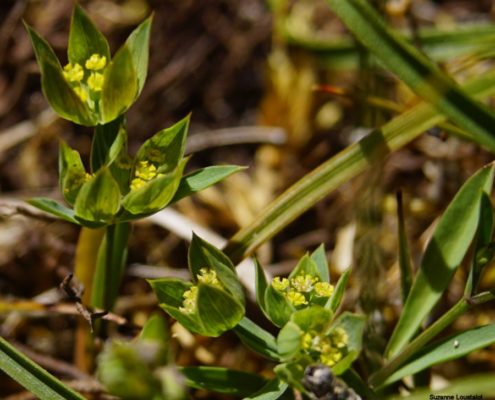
(73, 72)
(340, 338)
(95, 82)
(208, 276)
(137, 183)
(296, 298)
(331, 357)
(303, 283)
(145, 170)
(323, 289)
(280, 284)
(95, 62)
(190, 297)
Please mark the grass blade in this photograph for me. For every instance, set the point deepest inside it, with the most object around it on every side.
(339, 169)
(32, 376)
(404, 254)
(414, 69)
(446, 249)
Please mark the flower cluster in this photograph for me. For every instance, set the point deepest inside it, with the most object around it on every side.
(143, 173)
(206, 276)
(300, 289)
(87, 81)
(328, 350)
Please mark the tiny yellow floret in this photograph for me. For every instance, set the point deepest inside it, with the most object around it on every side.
(96, 62)
(296, 298)
(331, 357)
(303, 283)
(208, 276)
(73, 72)
(81, 93)
(145, 170)
(95, 82)
(280, 284)
(190, 298)
(323, 289)
(137, 183)
(340, 338)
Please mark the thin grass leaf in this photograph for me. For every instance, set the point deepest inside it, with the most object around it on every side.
(451, 348)
(404, 253)
(32, 376)
(414, 69)
(340, 169)
(446, 249)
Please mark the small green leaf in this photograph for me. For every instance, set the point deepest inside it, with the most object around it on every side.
(72, 174)
(278, 307)
(99, 198)
(261, 286)
(52, 207)
(155, 329)
(59, 94)
(313, 318)
(406, 271)
(335, 299)
(273, 390)
(154, 194)
(319, 256)
(257, 339)
(119, 86)
(165, 148)
(217, 310)
(354, 326)
(222, 380)
(203, 255)
(202, 179)
(305, 266)
(85, 39)
(103, 140)
(454, 347)
(445, 251)
(289, 341)
(138, 44)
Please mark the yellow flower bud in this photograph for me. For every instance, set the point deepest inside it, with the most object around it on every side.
(323, 289)
(296, 298)
(340, 338)
(95, 82)
(280, 284)
(95, 62)
(208, 276)
(145, 170)
(73, 72)
(190, 299)
(303, 283)
(137, 183)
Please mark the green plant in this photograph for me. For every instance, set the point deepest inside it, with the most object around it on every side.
(312, 338)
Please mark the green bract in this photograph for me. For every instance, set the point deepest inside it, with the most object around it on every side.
(121, 189)
(93, 88)
(214, 302)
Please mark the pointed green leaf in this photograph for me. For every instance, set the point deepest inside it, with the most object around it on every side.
(217, 310)
(414, 69)
(222, 380)
(305, 266)
(138, 44)
(257, 339)
(406, 271)
(204, 255)
(154, 194)
(52, 207)
(155, 328)
(319, 256)
(85, 39)
(335, 299)
(72, 174)
(202, 179)
(261, 286)
(314, 318)
(165, 148)
(59, 94)
(444, 253)
(99, 198)
(354, 326)
(454, 347)
(119, 86)
(278, 307)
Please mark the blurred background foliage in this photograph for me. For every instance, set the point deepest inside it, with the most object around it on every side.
(274, 85)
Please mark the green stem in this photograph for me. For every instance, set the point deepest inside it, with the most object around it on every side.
(30, 375)
(427, 335)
